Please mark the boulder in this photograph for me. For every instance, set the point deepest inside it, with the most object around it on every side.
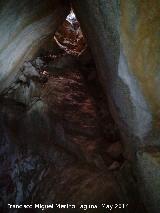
(30, 70)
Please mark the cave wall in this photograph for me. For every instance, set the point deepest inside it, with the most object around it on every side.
(24, 27)
(124, 39)
(127, 69)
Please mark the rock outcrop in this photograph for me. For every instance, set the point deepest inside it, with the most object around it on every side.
(24, 27)
(113, 35)
(124, 40)
(123, 37)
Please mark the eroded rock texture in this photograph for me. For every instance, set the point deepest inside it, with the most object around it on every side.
(54, 146)
(123, 60)
(25, 25)
(127, 57)
(51, 134)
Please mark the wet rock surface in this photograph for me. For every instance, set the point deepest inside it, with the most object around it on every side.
(59, 146)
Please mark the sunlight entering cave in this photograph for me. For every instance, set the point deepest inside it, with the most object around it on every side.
(69, 36)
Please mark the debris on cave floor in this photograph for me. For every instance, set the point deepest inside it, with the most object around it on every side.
(64, 147)
(78, 118)
(85, 129)
(83, 124)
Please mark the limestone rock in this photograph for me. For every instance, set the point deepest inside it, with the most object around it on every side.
(124, 40)
(148, 165)
(24, 27)
(122, 60)
(24, 93)
(23, 78)
(39, 63)
(30, 70)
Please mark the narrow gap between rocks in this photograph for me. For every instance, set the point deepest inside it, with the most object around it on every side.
(65, 145)
(77, 101)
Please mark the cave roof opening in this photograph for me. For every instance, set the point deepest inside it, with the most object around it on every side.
(69, 36)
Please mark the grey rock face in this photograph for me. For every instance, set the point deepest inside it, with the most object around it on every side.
(128, 104)
(26, 89)
(24, 27)
(39, 62)
(23, 78)
(124, 46)
(149, 174)
(126, 53)
(30, 70)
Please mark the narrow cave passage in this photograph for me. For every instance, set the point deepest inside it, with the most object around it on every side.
(58, 141)
(66, 147)
(76, 102)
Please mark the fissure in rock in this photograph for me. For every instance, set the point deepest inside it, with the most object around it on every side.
(59, 143)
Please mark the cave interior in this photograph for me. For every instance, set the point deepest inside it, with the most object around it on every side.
(79, 125)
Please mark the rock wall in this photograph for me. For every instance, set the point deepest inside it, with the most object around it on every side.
(126, 69)
(123, 37)
(124, 40)
(24, 26)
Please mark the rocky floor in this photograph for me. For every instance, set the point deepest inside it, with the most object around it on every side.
(78, 125)
(62, 148)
